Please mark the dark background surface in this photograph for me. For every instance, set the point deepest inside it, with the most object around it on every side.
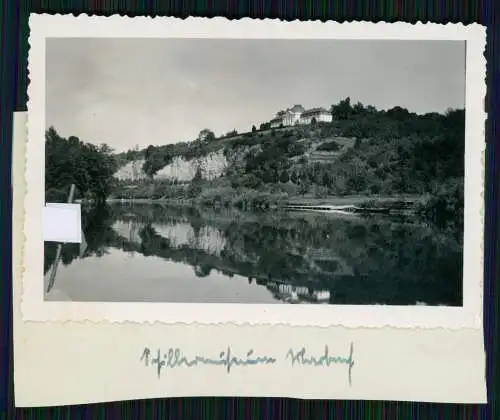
(14, 33)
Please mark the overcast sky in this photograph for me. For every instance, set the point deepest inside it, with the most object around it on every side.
(125, 92)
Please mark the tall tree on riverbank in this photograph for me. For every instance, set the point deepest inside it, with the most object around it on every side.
(71, 161)
(154, 160)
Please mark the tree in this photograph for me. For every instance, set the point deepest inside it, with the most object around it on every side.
(154, 160)
(398, 113)
(342, 110)
(198, 177)
(327, 180)
(269, 176)
(358, 109)
(314, 121)
(195, 186)
(70, 161)
(100, 170)
(284, 177)
(206, 135)
(254, 129)
(304, 187)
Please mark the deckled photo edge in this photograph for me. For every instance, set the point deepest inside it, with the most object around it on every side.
(35, 309)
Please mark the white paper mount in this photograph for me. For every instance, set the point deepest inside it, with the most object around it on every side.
(62, 222)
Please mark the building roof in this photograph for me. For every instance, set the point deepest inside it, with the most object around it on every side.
(297, 108)
(315, 111)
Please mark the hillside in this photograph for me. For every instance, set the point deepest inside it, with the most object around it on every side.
(273, 161)
(365, 153)
(212, 160)
(180, 161)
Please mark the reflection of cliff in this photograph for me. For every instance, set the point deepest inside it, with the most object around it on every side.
(129, 230)
(356, 262)
(206, 238)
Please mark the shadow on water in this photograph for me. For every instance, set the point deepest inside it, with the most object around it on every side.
(298, 257)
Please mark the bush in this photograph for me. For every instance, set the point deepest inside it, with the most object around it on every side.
(328, 146)
(445, 205)
(256, 200)
(222, 196)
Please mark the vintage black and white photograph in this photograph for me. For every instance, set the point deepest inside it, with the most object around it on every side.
(257, 171)
(234, 205)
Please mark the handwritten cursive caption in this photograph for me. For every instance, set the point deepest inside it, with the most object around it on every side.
(174, 358)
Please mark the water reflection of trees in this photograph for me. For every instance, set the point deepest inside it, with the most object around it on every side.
(357, 261)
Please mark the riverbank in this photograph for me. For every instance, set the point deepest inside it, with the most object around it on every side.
(356, 202)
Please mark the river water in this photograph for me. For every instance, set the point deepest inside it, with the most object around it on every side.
(155, 253)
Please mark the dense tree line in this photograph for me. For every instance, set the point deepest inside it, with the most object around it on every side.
(71, 161)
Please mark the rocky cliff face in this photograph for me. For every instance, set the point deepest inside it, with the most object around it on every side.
(211, 166)
(132, 171)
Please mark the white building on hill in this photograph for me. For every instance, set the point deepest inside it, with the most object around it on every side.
(288, 117)
(317, 114)
(298, 115)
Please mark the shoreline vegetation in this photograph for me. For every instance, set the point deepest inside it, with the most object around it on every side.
(367, 159)
(404, 204)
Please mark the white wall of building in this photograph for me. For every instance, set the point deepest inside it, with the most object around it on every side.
(319, 116)
(290, 118)
(324, 117)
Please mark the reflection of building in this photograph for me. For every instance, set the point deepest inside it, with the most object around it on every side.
(326, 260)
(298, 294)
(298, 115)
